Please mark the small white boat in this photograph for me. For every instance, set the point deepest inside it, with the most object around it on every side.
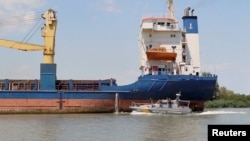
(166, 106)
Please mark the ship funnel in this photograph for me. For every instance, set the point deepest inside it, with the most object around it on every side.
(187, 11)
(192, 12)
(190, 23)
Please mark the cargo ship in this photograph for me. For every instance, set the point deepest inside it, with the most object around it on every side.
(169, 64)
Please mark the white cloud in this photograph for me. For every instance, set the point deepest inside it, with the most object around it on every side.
(20, 4)
(18, 15)
(111, 7)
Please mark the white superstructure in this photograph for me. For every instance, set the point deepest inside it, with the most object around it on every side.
(167, 49)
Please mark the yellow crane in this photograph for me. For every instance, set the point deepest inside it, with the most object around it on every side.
(48, 33)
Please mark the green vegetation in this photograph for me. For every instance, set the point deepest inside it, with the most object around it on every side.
(228, 99)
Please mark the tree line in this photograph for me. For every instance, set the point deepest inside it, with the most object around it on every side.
(228, 99)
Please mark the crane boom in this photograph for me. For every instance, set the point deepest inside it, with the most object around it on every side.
(20, 45)
(48, 33)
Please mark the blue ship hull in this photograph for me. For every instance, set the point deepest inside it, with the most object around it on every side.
(161, 86)
(149, 87)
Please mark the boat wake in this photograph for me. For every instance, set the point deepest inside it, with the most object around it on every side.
(140, 113)
(220, 112)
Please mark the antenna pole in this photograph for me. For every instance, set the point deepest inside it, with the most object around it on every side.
(170, 9)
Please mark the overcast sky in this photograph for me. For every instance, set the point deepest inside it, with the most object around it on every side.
(97, 39)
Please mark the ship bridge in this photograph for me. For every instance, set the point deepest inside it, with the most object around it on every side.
(159, 23)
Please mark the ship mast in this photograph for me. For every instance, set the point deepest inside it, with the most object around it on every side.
(170, 9)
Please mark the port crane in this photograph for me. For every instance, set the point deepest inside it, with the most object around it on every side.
(48, 33)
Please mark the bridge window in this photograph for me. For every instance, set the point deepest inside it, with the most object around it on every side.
(172, 35)
(150, 46)
(161, 23)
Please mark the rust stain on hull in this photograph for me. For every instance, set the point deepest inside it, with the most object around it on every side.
(73, 105)
(55, 106)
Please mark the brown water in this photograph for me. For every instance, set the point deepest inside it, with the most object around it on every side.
(117, 127)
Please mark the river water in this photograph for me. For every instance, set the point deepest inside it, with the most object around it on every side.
(117, 127)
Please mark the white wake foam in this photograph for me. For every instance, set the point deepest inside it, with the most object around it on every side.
(140, 113)
(220, 112)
